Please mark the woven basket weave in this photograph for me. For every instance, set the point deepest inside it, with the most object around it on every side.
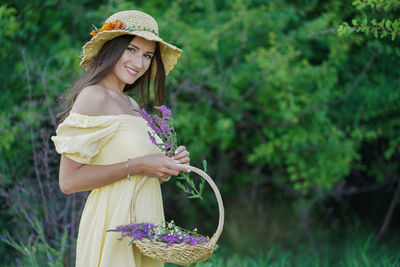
(183, 254)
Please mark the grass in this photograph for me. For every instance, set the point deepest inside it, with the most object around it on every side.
(270, 235)
(359, 253)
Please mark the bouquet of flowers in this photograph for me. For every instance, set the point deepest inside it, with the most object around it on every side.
(164, 128)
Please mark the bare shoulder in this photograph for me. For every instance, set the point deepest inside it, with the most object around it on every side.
(91, 101)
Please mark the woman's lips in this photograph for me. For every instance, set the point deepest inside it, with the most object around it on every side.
(131, 71)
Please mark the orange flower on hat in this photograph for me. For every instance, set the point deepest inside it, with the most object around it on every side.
(109, 26)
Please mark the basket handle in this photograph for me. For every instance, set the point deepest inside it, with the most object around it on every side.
(214, 187)
(205, 176)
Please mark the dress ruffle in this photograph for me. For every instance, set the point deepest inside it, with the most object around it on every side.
(81, 137)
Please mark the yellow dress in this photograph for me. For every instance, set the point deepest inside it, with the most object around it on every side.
(103, 140)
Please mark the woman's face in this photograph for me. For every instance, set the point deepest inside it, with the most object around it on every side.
(135, 60)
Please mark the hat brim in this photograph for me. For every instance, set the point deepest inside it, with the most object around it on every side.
(169, 53)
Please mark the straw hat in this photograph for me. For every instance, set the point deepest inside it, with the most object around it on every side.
(136, 23)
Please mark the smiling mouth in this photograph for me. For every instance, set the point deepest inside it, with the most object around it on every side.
(131, 71)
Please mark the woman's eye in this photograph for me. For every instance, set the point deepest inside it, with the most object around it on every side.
(148, 56)
(131, 49)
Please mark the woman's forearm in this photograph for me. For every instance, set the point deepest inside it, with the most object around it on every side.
(75, 177)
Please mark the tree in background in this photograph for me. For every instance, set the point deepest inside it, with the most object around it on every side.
(382, 19)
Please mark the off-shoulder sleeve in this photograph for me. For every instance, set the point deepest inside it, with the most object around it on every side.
(81, 137)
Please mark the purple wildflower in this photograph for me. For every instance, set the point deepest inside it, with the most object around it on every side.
(202, 240)
(143, 113)
(162, 126)
(53, 258)
(168, 146)
(168, 234)
(166, 113)
(158, 130)
(153, 139)
(68, 227)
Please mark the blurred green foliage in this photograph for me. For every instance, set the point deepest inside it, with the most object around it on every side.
(265, 91)
(382, 25)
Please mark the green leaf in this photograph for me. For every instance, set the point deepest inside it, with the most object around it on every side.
(205, 166)
(191, 183)
(388, 24)
(364, 21)
(201, 187)
(181, 186)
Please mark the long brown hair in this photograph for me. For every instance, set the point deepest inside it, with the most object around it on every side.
(103, 63)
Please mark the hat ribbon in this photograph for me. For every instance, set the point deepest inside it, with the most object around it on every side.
(118, 25)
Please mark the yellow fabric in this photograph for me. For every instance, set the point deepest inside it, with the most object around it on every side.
(103, 140)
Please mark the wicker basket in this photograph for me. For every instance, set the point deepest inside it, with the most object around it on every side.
(182, 254)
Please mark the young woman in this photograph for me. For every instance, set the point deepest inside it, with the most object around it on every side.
(104, 144)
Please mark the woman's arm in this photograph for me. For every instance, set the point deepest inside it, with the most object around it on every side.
(76, 177)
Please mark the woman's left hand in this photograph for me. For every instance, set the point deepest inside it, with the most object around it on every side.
(181, 155)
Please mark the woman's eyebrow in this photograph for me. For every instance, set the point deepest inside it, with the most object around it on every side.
(134, 46)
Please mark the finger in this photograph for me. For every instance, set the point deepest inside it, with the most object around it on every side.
(185, 161)
(175, 161)
(175, 168)
(184, 167)
(172, 172)
(160, 175)
(170, 161)
(171, 168)
(184, 154)
(179, 149)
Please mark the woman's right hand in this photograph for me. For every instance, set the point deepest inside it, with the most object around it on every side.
(157, 166)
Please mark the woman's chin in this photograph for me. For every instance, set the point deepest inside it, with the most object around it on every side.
(131, 80)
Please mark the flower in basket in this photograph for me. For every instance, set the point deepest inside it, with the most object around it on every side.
(163, 127)
(167, 233)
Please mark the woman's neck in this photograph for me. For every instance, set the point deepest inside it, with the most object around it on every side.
(110, 81)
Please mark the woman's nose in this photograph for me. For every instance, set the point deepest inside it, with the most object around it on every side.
(138, 60)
